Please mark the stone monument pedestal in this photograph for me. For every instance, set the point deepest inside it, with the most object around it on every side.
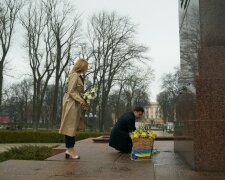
(200, 127)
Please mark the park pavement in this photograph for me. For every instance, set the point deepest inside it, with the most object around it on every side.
(7, 146)
(99, 161)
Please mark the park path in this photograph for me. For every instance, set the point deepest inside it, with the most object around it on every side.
(99, 161)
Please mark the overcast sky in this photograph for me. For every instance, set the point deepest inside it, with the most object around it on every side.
(158, 29)
(157, 22)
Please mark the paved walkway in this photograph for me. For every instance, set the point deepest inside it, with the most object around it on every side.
(163, 134)
(99, 161)
(6, 146)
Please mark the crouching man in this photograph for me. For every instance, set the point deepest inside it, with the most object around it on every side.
(119, 137)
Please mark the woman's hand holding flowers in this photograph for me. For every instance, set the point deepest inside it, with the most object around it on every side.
(84, 106)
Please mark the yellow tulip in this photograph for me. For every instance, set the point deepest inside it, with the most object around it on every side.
(143, 134)
(135, 136)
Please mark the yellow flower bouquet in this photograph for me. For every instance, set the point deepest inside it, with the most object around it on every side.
(142, 134)
(142, 144)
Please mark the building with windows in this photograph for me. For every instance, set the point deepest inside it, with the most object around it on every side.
(153, 114)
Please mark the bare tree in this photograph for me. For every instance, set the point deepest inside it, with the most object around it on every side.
(40, 45)
(190, 45)
(47, 107)
(135, 87)
(119, 103)
(170, 82)
(131, 90)
(184, 3)
(8, 15)
(167, 98)
(17, 101)
(113, 47)
(66, 34)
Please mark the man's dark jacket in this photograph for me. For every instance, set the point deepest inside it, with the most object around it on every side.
(119, 138)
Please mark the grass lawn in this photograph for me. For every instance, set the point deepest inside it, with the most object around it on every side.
(27, 152)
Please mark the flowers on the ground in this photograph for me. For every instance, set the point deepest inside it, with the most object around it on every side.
(142, 134)
(90, 94)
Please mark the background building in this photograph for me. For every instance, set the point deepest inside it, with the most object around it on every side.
(153, 114)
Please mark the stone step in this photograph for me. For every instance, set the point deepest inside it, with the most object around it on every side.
(105, 139)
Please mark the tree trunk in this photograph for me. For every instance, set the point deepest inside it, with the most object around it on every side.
(56, 91)
(1, 83)
(118, 102)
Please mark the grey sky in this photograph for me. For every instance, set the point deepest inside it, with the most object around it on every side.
(158, 28)
(157, 22)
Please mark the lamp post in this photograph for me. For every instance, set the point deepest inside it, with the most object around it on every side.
(90, 120)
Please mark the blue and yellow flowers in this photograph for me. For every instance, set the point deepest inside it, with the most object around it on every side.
(142, 144)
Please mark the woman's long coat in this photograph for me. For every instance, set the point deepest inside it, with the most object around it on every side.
(71, 108)
(119, 137)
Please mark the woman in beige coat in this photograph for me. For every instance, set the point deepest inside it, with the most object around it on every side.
(72, 104)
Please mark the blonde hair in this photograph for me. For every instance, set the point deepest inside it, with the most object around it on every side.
(80, 66)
